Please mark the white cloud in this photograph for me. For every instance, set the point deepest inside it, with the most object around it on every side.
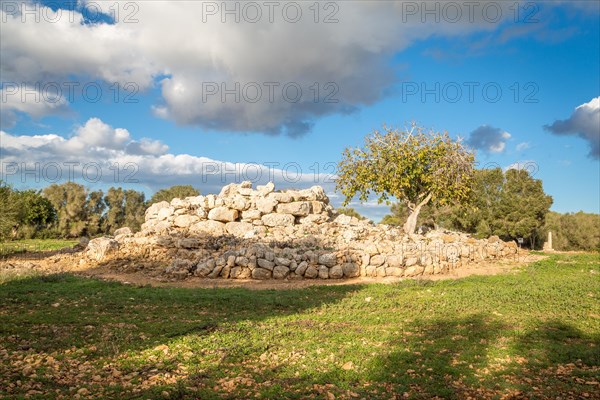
(168, 44)
(583, 122)
(147, 147)
(28, 99)
(488, 139)
(96, 133)
(97, 147)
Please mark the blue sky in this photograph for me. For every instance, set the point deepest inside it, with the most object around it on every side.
(522, 93)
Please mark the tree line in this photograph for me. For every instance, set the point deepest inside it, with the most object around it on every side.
(574, 231)
(70, 210)
(434, 181)
(510, 204)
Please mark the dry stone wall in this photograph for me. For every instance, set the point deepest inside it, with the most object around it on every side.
(246, 233)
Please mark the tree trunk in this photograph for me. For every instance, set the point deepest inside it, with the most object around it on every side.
(411, 222)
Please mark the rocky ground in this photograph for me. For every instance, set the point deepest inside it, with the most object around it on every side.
(69, 260)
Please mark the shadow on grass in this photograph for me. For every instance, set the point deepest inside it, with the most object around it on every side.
(56, 312)
(453, 358)
(229, 340)
(557, 342)
(104, 321)
(480, 357)
(438, 359)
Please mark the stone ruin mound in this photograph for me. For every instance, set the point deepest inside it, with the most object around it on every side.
(246, 233)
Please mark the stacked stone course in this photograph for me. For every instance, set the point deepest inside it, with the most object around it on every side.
(246, 233)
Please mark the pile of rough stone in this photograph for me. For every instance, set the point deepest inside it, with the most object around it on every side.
(244, 233)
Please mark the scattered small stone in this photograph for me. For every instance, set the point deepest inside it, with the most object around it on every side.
(348, 366)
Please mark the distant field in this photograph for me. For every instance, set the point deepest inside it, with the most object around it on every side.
(533, 334)
(33, 245)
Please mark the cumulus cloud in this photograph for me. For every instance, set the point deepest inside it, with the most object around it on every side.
(488, 139)
(146, 147)
(96, 133)
(583, 122)
(97, 153)
(28, 99)
(275, 75)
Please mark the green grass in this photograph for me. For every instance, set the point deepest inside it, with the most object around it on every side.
(33, 246)
(534, 334)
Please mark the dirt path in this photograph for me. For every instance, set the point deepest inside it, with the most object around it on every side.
(19, 265)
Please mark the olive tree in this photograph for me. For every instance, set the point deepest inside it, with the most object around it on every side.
(69, 200)
(413, 165)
